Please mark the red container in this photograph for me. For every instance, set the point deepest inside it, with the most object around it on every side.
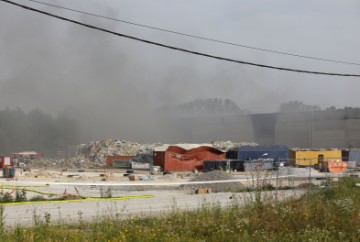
(6, 161)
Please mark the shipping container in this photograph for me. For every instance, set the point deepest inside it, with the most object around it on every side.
(354, 155)
(119, 161)
(232, 154)
(232, 165)
(313, 157)
(334, 166)
(9, 172)
(277, 153)
(345, 155)
(258, 165)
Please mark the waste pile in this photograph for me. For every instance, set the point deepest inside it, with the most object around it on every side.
(96, 151)
(49, 163)
(212, 176)
(229, 145)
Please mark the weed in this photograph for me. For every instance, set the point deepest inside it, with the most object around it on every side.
(5, 197)
(20, 196)
(37, 198)
(80, 218)
(47, 218)
(331, 214)
(2, 219)
(36, 218)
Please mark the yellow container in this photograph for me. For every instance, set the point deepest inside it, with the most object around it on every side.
(313, 157)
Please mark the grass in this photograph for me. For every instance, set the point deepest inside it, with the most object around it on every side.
(325, 214)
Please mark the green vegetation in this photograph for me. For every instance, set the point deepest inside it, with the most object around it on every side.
(323, 214)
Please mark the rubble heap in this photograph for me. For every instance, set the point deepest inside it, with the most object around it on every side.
(229, 145)
(97, 151)
(215, 187)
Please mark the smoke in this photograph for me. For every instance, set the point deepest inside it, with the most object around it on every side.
(112, 85)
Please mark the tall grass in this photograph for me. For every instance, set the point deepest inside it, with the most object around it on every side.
(328, 214)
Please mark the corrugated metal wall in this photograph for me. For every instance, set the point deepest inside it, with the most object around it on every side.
(354, 155)
(312, 157)
(256, 152)
(178, 159)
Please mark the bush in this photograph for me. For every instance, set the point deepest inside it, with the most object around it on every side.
(20, 196)
(5, 197)
(37, 198)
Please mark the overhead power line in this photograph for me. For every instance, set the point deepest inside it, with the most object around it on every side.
(197, 36)
(180, 49)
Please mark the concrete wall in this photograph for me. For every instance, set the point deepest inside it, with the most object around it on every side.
(321, 129)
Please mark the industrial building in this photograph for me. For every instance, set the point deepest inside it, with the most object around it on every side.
(318, 129)
(185, 157)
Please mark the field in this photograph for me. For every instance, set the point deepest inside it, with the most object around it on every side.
(313, 213)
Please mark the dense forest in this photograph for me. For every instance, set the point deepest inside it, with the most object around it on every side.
(37, 131)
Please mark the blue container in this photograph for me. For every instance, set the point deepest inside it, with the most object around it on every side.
(277, 153)
(354, 155)
(12, 171)
(345, 155)
(9, 172)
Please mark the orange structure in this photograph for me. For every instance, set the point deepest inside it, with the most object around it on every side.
(185, 157)
(334, 166)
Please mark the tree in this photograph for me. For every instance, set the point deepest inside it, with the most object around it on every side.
(297, 106)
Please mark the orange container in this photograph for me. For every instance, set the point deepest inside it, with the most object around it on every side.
(335, 166)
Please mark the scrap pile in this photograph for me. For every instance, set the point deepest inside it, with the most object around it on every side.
(71, 163)
(229, 145)
(97, 151)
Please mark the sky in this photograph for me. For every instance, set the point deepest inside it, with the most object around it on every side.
(103, 79)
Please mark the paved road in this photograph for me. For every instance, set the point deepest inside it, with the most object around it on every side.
(162, 201)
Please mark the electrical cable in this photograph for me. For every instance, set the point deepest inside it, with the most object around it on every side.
(196, 36)
(180, 49)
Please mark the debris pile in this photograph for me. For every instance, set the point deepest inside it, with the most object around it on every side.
(215, 187)
(229, 145)
(97, 151)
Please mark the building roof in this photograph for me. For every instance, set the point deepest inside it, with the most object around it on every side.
(184, 146)
(27, 153)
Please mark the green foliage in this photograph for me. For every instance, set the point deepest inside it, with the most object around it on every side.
(20, 196)
(5, 197)
(2, 220)
(38, 198)
(329, 214)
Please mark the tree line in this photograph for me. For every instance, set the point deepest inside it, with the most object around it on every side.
(36, 131)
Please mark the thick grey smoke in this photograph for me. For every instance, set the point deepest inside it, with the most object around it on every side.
(111, 85)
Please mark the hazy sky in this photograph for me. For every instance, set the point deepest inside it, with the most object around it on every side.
(55, 66)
